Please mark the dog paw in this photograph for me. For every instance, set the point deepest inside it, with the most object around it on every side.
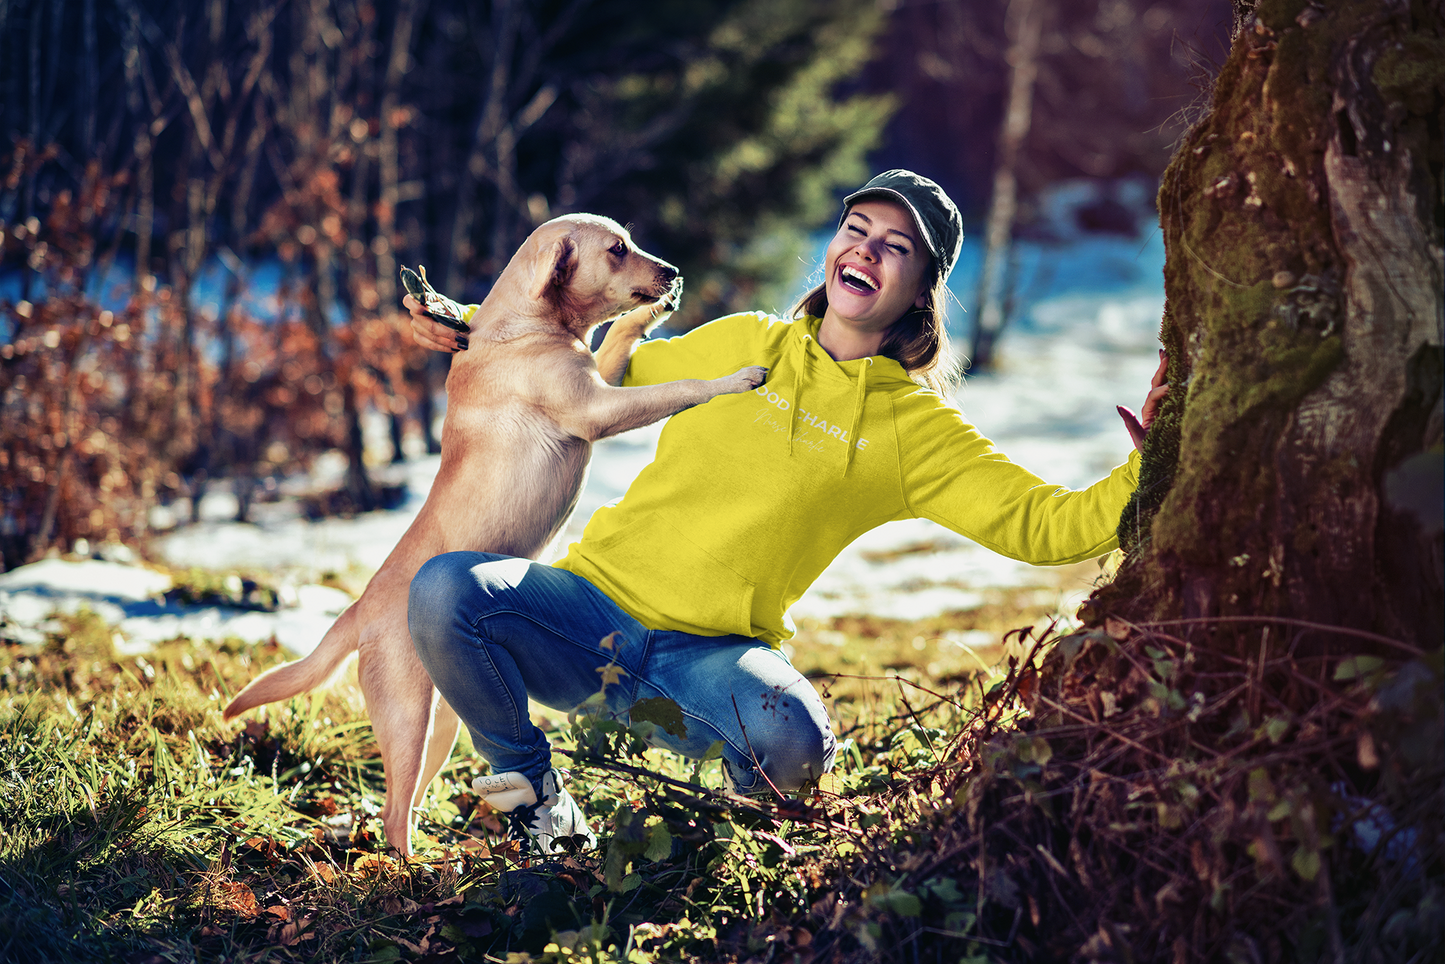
(748, 378)
(642, 319)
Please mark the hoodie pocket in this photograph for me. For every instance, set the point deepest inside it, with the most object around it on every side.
(658, 571)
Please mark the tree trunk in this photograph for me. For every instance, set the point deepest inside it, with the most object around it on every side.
(1295, 470)
(1025, 26)
(396, 68)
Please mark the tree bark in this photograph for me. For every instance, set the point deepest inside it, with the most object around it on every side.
(1294, 471)
(1025, 26)
(396, 68)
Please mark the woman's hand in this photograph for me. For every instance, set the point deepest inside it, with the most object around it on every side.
(1139, 425)
(430, 333)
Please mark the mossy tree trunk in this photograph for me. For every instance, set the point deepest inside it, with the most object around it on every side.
(1295, 470)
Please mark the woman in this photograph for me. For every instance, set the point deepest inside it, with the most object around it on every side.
(681, 589)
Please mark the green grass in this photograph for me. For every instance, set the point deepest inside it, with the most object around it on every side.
(988, 803)
(136, 825)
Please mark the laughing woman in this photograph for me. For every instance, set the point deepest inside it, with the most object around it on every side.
(684, 584)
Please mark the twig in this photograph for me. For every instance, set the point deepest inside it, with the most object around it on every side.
(751, 752)
(895, 677)
(1205, 265)
(733, 801)
(1117, 735)
(957, 935)
(1016, 676)
(607, 764)
(1287, 621)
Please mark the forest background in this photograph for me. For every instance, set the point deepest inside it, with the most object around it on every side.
(204, 207)
(1233, 750)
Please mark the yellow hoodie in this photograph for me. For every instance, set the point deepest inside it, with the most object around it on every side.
(751, 496)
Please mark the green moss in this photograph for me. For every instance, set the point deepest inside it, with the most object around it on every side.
(1279, 15)
(1415, 66)
(1250, 278)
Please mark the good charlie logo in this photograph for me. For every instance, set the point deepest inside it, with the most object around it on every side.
(809, 419)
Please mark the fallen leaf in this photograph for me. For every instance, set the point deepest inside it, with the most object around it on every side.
(1365, 752)
(237, 898)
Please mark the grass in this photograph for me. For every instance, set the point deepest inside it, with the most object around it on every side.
(1113, 793)
(137, 826)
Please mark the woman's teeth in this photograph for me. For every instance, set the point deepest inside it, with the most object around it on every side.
(858, 279)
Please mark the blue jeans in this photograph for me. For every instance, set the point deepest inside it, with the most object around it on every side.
(493, 630)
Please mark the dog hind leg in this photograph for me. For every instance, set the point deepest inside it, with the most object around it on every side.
(399, 700)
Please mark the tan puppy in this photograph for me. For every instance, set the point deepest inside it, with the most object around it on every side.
(524, 406)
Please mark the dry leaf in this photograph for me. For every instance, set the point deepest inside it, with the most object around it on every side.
(237, 898)
(1365, 751)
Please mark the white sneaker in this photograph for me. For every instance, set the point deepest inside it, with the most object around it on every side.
(550, 824)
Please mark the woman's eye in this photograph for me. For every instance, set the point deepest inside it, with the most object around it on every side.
(900, 249)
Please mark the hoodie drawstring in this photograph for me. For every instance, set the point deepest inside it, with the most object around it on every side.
(798, 371)
(852, 442)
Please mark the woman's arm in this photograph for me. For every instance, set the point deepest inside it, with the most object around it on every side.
(955, 477)
(710, 350)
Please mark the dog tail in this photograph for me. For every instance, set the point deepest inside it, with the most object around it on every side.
(289, 679)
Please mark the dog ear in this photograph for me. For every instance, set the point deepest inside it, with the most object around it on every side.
(554, 266)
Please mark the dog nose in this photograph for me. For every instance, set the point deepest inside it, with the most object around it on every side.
(666, 273)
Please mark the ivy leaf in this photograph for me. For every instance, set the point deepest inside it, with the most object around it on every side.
(659, 843)
(1261, 787)
(899, 902)
(1357, 666)
(662, 711)
(1306, 863)
(611, 674)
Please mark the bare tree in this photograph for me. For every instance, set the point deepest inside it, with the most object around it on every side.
(1024, 27)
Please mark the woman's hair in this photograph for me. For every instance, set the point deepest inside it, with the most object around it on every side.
(918, 341)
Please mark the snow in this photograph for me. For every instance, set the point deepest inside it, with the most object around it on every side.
(1050, 405)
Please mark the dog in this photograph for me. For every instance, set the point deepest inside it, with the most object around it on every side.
(524, 405)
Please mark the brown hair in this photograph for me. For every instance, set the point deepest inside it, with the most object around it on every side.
(917, 341)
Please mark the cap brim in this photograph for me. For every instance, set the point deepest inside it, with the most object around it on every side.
(891, 194)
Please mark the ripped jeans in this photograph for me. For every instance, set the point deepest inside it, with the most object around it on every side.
(493, 630)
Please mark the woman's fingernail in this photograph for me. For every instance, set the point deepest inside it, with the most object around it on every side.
(462, 343)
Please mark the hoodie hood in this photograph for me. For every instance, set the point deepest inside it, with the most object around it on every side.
(810, 361)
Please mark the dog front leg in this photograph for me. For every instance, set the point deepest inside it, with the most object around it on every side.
(444, 727)
(626, 330)
(611, 411)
